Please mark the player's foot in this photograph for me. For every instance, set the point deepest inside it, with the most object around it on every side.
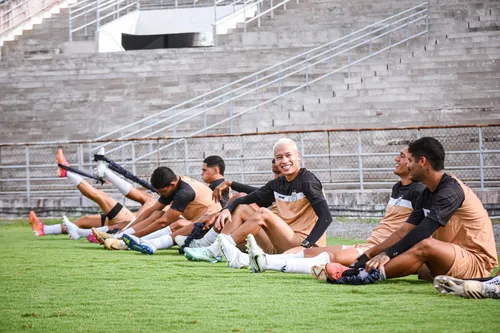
(91, 239)
(136, 244)
(449, 285)
(201, 254)
(465, 288)
(101, 165)
(101, 236)
(234, 257)
(71, 228)
(331, 271)
(36, 224)
(61, 160)
(197, 243)
(179, 240)
(115, 244)
(255, 254)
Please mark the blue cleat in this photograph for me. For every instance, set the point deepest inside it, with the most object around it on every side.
(201, 254)
(136, 244)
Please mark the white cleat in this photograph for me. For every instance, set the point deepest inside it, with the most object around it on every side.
(195, 243)
(71, 228)
(256, 255)
(234, 257)
(101, 165)
(179, 240)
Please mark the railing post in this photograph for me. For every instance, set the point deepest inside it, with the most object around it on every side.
(90, 157)
(284, 6)
(244, 16)
(408, 32)
(138, 7)
(349, 67)
(256, 93)
(302, 152)
(28, 182)
(481, 157)
(134, 169)
(186, 156)
(97, 18)
(214, 29)
(258, 14)
(360, 162)
(272, 10)
(69, 24)
(80, 163)
(307, 74)
(231, 114)
(426, 21)
(242, 155)
(390, 41)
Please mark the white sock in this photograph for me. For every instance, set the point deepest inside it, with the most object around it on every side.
(210, 236)
(163, 242)
(55, 229)
(158, 233)
(74, 178)
(214, 249)
(304, 265)
(288, 256)
(86, 232)
(230, 239)
(122, 185)
(382, 274)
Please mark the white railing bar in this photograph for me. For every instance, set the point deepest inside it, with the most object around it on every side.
(267, 84)
(267, 11)
(103, 17)
(91, 5)
(242, 10)
(256, 73)
(270, 75)
(31, 14)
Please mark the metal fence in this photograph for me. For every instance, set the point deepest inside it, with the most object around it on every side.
(342, 159)
(14, 13)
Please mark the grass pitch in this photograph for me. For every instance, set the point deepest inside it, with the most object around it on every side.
(52, 284)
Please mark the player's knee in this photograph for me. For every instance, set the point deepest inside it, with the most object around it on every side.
(422, 248)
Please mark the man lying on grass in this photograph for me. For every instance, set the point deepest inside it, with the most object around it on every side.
(462, 243)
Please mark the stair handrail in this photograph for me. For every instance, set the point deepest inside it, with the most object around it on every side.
(12, 24)
(278, 65)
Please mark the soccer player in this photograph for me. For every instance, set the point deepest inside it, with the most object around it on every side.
(401, 203)
(185, 196)
(302, 215)
(212, 173)
(474, 288)
(114, 212)
(462, 244)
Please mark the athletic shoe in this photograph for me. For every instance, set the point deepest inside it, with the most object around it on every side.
(36, 224)
(61, 160)
(136, 244)
(101, 165)
(115, 244)
(331, 271)
(71, 228)
(101, 236)
(255, 254)
(465, 288)
(92, 239)
(197, 243)
(234, 257)
(179, 240)
(200, 254)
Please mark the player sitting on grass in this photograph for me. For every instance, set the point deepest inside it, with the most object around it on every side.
(114, 212)
(149, 246)
(402, 200)
(471, 288)
(301, 217)
(462, 243)
(185, 196)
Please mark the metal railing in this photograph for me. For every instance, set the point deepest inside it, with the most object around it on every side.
(278, 81)
(15, 13)
(341, 158)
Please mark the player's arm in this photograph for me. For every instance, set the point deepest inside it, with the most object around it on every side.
(170, 216)
(324, 219)
(238, 187)
(243, 188)
(148, 211)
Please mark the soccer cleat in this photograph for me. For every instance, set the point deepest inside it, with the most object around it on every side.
(61, 160)
(449, 285)
(91, 239)
(115, 244)
(136, 244)
(197, 243)
(331, 271)
(71, 228)
(200, 254)
(101, 236)
(255, 254)
(36, 224)
(234, 257)
(179, 240)
(101, 165)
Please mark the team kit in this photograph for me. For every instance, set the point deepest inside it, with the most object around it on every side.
(434, 225)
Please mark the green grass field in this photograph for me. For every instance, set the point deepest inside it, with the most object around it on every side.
(52, 284)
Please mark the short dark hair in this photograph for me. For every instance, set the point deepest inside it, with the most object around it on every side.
(162, 177)
(215, 161)
(431, 148)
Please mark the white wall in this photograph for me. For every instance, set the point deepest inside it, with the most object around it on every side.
(171, 21)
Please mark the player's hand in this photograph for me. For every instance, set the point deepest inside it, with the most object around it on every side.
(377, 262)
(217, 193)
(209, 221)
(294, 250)
(224, 216)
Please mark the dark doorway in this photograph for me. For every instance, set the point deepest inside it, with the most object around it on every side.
(171, 41)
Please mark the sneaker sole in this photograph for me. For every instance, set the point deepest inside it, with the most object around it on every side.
(319, 272)
(133, 245)
(98, 238)
(254, 263)
(192, 257)
(446, 285)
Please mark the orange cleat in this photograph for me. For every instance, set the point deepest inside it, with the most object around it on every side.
(62, 160)
(36, 225)
(331, 271)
